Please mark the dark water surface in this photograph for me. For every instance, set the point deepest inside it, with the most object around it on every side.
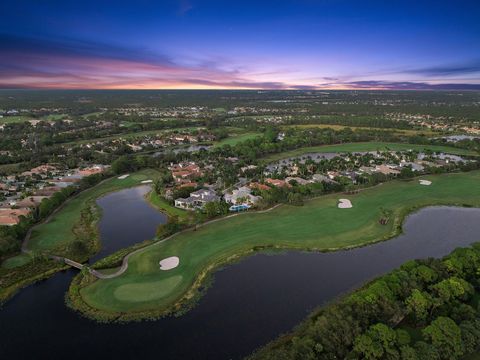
(126, 219)
(249, 304)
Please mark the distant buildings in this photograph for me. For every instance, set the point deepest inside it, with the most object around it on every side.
(27, 190)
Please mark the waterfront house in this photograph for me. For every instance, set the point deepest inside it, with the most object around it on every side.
(242, 195)
(197, 199)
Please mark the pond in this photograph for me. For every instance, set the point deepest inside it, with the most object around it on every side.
(127, 219)
(249, 304)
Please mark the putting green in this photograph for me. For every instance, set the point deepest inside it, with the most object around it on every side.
(318, 225)
(147, 291)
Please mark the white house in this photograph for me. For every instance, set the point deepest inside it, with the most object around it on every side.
(197, 199)
(241, 195)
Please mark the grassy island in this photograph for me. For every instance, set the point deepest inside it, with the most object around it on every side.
(144, 290)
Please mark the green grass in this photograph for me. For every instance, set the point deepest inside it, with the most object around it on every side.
(23, 118)
(366, 146)
(426, 132)
(92, 114)
(133, 134)
(16, 261)
(318, 225)
(14, 119)
(54, 117)
(59, 230)
(236, 138)
(162, 205)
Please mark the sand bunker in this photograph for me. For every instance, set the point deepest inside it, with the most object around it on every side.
(344, 204)
(169, 263)
(146, 181)
(123, 176)
(425, 182)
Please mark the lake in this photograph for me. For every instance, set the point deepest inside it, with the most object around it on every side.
(249, 303)
(126, 219)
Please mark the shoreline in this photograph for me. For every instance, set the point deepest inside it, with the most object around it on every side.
(95, 243)
(188, 298)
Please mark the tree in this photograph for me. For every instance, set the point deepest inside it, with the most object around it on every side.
(122, 165)
(78, 248)
(446, 338)
(295, 199)
(380, 341)
(170, 227)
(452, 288)
(211, 209)
(419, 305)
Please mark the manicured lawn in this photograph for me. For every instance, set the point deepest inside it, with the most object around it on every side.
(366, 146)
(14, 119)
(132, 134)
(54, 117)
(236, 138)
(22, 118)
(58, 231)
(318, 225)
(426, 132)
(165, 207)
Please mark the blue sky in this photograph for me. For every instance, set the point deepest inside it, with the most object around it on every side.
(240, 44)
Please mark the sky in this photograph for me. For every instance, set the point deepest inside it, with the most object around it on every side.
(212, 44)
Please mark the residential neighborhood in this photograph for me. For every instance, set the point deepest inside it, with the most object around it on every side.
(22, 193)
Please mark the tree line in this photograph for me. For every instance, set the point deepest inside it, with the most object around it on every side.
(426, 309)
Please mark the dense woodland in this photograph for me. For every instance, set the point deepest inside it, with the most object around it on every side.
(426, 309)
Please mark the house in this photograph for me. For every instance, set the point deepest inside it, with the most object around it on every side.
(185, 172)
(333, 174)
(31, 201)
(256, 185)
(322, 178)
(414, 166)
(43, 169)
(47, 191)
(9, 220)
(386, 170)
(298, 180)
(248, 167)
(293, 170)
(367, 169)
(241, 195)
(10, 217)
(97, 169)
(197, 200)
(277, 182)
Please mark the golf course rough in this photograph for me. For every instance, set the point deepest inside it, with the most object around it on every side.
(59, 231)
(318, 225)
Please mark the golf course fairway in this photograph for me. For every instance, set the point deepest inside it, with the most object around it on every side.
(144, 290)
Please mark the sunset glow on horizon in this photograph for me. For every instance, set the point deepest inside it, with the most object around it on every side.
(328, 44)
